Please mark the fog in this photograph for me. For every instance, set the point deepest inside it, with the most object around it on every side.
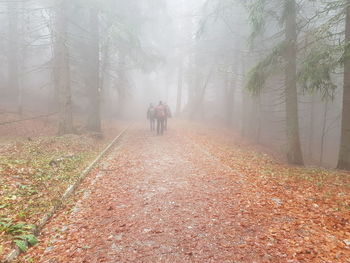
(230, 63)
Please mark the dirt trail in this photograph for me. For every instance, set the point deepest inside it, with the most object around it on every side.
(159, 199)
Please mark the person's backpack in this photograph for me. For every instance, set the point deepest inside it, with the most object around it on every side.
(160, 111)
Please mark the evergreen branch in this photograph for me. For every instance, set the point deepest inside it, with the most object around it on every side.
(256, 10)
(258, 75)
(315, 73)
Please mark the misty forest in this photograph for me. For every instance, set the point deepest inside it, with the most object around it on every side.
(175, 131)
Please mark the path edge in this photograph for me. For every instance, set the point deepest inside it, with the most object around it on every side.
(67, 194)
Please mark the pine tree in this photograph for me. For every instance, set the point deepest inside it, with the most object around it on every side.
(284, 53)
(94, 89)
(62, 70)
(330, 51)
(344, 155)
(13, 48)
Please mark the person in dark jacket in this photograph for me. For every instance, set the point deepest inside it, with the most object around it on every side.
(160, 112)
(151, 116)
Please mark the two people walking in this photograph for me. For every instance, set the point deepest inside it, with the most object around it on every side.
(159, 114)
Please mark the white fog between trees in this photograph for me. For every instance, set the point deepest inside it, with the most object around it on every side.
(275, 71)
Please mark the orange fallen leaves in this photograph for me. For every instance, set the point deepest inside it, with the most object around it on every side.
(319, 213)
(194, 196)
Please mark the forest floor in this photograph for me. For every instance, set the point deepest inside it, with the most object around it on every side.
(36, 167)
(199, 194)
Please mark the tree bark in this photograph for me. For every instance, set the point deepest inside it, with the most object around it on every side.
(122, 84)
(323, 135)
(294, 154)
(62, 72)
(179, 88)
(311, 128)
(344, 154)
(13, 50)
(229, 97)
(197, 110)
(257, 116)
(231, 88)
(23, 59)
(94, 119)
(105, 64)
(54, 99)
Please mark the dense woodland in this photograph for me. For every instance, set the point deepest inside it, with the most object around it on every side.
(254, 166)
(277, 72)
(284, 75)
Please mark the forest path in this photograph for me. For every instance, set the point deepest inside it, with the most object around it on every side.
(173, 198)
(157, 199)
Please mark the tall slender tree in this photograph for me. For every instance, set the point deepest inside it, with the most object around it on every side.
(294, 154)
(13, 49)
(180, 80)
(286, 50)
(62, 70)
(94, 89)
(344, 155)
(331, 51)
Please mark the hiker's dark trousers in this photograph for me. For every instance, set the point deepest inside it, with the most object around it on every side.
(160, 125)
(152, 122)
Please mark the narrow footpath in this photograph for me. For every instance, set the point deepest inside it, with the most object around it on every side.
(161, 199)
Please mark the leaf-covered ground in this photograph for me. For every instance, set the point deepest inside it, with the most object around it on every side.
(34, 173)
(200, 195)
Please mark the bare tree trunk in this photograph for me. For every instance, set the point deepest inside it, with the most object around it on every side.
(193, 83)
(106, 94)
(294, 153)
(344, 154)
(13, 50)
(23, 58)
(245, 114)
(62, 71)
(94, 120)
(195, 100)
(104, 68)
(311, 128)
(230, 92)
(54, 97)
(21, 83)
(229, 97)
(244, 106)
(257, 116)
(323, 131)
(179, 88)
(166, 86)
(122, 84)
(201, 90)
